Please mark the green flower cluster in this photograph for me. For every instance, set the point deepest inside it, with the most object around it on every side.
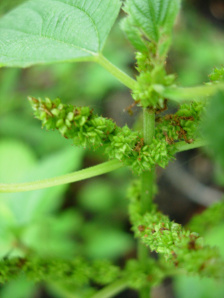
(90, 130)
(87, 129)
(139, 277)
(151, 73)
(217, 74)
(73, 273)
(77, 123)
(76, 274)
(181, 248)
(183, 125)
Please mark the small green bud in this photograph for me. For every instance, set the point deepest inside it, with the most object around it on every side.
(55, 112)
(63, 129)
(59, 123)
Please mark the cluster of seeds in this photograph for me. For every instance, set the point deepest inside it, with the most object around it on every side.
(76, 272)
(87, 129)
(183, 125)
(181, 248)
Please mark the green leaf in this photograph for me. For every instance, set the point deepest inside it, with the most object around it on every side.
(16, 159)
(133, 34)
(35, 204)
(40, 31)
(52, 235)
(96, 196)
(154, 18)
(197, 287)
(19, 287)
(107, 243)
(24, 209)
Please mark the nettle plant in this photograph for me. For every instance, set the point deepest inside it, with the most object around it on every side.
(53, 31)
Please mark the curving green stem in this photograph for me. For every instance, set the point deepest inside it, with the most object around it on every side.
(180, 94)
(183, 146)
(113, 289)
(116, 72)
(147, 181)
(100, 169)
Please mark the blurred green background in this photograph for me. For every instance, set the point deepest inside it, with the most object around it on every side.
(88, 218)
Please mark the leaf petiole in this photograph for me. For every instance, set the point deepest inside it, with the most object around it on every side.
(183, 146)
(94, 171)
(116, 72)
(112, 289)
(180, 94)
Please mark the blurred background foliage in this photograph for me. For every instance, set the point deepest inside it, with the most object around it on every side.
(90, 218)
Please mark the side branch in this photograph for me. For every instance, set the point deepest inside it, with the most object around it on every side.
(116, 72)
(112, 289)
(183, 146)
(94, 171)
(180, 94)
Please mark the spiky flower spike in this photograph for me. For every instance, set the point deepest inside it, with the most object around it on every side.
(89, 130)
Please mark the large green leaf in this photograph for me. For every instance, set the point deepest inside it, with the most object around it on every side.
(152, 18)
(41, 31)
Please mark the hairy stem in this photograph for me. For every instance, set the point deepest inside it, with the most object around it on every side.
(112, 289)
(147, 180)
(100, 169)
(116, 72)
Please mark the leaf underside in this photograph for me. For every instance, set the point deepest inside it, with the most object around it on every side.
(41, 32)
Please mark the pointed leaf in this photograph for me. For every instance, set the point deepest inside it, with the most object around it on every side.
(40, 31)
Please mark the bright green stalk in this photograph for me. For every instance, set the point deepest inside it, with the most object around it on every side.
(183, 146)
(116, 72)
(112, 289)
(180, 94)
(94, 171)
(147, 179)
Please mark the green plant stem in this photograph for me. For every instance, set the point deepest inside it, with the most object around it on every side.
(147, 177)
(183, 146)
(180, 94)
(116, 72)
(100, 169)
(112, 289)
(147, 181)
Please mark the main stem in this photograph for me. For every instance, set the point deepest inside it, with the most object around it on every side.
(147, 181)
